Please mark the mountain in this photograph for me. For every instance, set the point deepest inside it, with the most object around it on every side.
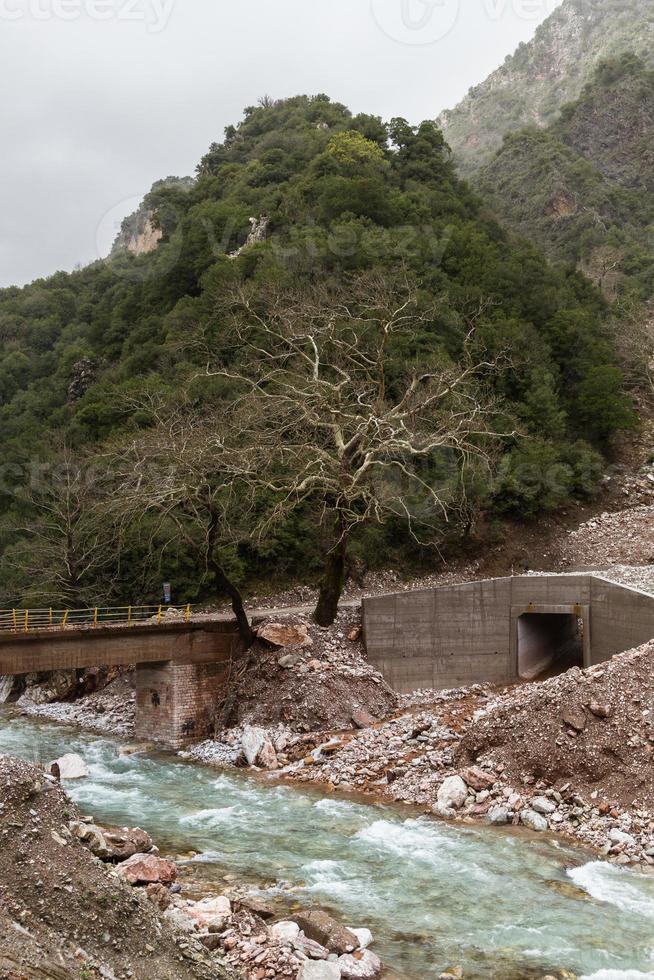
(533, 84)
(582, 188)
(300, 192)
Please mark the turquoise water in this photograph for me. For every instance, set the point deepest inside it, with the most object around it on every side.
(503, 905)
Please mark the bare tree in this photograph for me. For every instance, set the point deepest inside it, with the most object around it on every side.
(65, 552)
(322, 403)
(185, 471)
(634, 331)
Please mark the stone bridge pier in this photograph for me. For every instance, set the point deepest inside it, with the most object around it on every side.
(177, 703)
(182, 669)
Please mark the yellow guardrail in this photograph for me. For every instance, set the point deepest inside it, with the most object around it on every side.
(26, 620)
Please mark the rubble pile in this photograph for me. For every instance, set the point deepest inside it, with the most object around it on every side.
(305, 677)
(624, 537)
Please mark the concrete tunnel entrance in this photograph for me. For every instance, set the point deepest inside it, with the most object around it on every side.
(549, 643)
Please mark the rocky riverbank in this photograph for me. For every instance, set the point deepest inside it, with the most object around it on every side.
(234, 929)
(570, 755)
(66, 916)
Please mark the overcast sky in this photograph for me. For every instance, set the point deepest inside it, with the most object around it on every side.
(103, 97)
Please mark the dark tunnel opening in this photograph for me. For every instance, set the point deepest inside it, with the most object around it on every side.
(549, 644)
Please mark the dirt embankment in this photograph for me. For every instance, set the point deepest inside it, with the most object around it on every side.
(63, 916)
(593, 728)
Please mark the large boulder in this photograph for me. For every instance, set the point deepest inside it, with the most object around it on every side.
(124, 843)
(285, 635)
(252, 742)
(69, 766)
(323, 929)
(452, 793)
(145, 869)
(364, 965)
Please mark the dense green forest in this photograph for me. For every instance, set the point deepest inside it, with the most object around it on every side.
(156, 355)
(583, 190)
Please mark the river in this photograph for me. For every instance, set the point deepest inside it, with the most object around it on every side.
(498, 903)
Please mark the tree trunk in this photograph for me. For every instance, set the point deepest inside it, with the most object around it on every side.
(333, 581)
(227, 586)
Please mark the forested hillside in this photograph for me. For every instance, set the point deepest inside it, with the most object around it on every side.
(533, 84)
(303, 380)
(583, 189)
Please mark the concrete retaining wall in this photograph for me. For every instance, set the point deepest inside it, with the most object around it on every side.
(465, 634)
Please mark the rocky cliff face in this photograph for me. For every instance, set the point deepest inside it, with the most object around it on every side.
(533, 84)
(141, 232)
(582, 188)
(141, 236)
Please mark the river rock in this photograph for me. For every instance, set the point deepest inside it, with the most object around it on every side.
(210, 914)
(452, 793)
(542, 805)
(159, 895)
(285, 932)
(69, 766)
(252, 742)
(319, 970)
(617, 836)
(123, 843)
(533, 820)
(180, 919)
(364, 965)
(285, 635)
(310, 948)
(364, 936)
(477, 779)
(323, 929)
(144, 869)
(92, 837)
(497, 816)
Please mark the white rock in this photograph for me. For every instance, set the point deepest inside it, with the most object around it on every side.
(619, 837)
(533, 820)
(367, 967)
(542, 805)
(71, 766)
(364, 936)
(285, 931)
(497, 815)
(180, 919)
(453, 792)
(252, 743)
(320, 970)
